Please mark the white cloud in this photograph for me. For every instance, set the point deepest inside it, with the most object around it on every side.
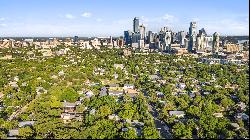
(169, 18)
(226, 27)
(98, 19)
(3, 24)
(69, 16)
(2, 19)
(87, 14)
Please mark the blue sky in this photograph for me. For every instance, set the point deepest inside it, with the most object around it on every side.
(112, 17)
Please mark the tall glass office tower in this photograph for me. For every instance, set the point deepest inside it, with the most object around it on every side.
(136, 25)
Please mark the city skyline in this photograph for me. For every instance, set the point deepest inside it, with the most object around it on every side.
(99, 18)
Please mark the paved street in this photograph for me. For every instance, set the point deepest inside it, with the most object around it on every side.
(21, 110)
(160, 125)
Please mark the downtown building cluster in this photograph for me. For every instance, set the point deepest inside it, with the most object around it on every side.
(194, 43)
(168, 41)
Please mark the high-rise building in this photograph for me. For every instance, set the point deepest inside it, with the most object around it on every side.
(216, 38)
(168, 37)
(120, 42)
(186, 43)
(127, 37)
(136, 25)
(141, 44)
(208, 42)
(136, 37)
(110, 39)
(142, 31)
(192, 36)
(150, 37)
(181, 38)
(201, 40)
(75, 40)
(202, 31)
(174, 37)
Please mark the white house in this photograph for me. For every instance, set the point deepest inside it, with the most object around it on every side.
(89, 94)
(128, 86)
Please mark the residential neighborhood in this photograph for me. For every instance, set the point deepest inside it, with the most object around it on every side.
(95, 69)
(151, 96)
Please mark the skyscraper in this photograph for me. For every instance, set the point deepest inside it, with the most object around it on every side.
(200, 40)
(110, 40)
(216, 39)
(127, 37)
(150, 37)
(181, 38)
(136, 24)
(192, 36)
(142, 31)
(136, 37)
(75, 40)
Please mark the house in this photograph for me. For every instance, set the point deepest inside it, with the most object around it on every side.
(242, 106)
(26, 123)
(131, 92)
(218, 115)
(114, 117)
(99, 71)
(128, 86)
(89, 94)
(124, 129)
(206, 92)
(40, 90)
(192, 94)
(113, 85)
(181, 85)
(159, 94)
(67, 117)
(160, 101)
(242, 116)
(69, 107)
(235, 125)
(78, 102)
(94, 84)
(103, 91)
(13, 133)
(115, 93)
(233, 97)
(154, 77)
(177, 113)
(162, 82)
(182, 93)
(13, 84)
(127, 121)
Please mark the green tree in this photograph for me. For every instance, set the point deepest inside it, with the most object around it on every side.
(26, 133)
(150, 133)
